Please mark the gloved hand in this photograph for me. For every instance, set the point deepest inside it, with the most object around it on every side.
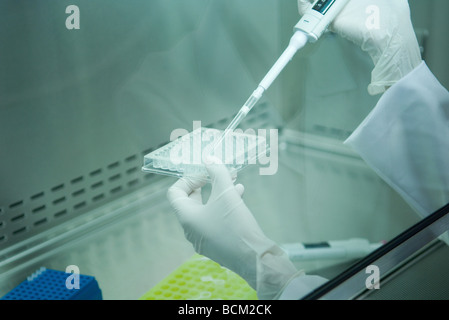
(224, 230)
(392, 44)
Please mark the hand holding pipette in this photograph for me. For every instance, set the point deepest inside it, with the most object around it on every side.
(310, 28)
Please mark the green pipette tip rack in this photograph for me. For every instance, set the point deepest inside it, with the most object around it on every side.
(200, 278)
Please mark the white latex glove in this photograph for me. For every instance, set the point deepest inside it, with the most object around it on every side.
(224, 230)
(391, 42)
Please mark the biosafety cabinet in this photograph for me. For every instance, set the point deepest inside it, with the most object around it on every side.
(88, 88)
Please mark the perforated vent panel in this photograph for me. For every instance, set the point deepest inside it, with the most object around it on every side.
(46, 208)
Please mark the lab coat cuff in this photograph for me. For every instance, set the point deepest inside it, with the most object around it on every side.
(299, 285)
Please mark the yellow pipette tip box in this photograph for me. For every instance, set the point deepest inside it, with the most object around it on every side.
(200, 278)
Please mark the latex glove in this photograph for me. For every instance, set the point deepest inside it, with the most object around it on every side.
(391, 42)
(224, 230)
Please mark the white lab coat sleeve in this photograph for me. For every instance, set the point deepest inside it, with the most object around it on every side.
(405, 140)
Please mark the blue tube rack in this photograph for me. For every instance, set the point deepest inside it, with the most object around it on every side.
(48, 284)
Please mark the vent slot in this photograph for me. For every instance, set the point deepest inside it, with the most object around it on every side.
(38, 209)
(131, 158)
(37, 196)
(97, 185)
(95, 173)
(77, 180)
(115, 190)
(60, 213)
(132, 183)
(40, 222)
(18, 217)
(78, 192)
(21, 230)
(113, 165)
(98, 197)
(58, 201)
(79, 205)
(58, 187)
(115, 177)
(15, 204)
(132, 170)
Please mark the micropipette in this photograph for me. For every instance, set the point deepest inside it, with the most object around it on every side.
(340, 249)
(310, 28)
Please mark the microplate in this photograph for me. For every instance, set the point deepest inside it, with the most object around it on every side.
(187, 155)
(200, 278)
